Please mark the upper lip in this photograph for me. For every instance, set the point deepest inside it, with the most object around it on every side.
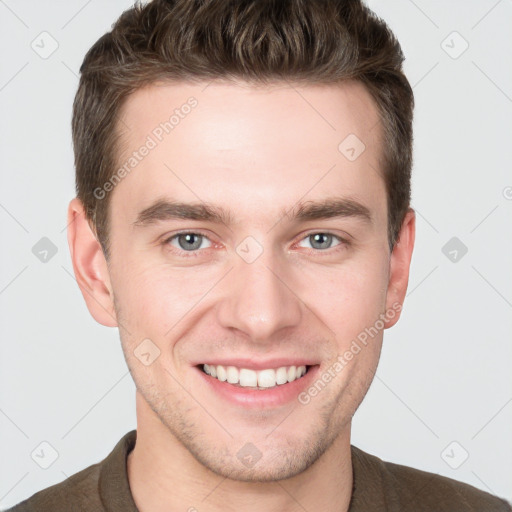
(253, 364)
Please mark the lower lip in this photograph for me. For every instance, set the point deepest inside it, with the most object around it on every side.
(281, 394)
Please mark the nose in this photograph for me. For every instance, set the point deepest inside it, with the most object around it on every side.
(259, 298)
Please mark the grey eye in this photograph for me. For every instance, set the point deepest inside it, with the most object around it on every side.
(320, 241)
(189, 241)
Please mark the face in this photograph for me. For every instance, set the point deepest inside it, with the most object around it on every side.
(254, 285)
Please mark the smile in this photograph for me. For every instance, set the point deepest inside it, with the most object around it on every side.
(256, 384)
(252, 379)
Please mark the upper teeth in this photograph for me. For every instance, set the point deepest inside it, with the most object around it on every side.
(251, 378)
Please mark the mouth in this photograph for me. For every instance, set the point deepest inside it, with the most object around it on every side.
(255, 379)
(261, 389)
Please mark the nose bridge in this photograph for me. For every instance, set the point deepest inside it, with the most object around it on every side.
(259, 300)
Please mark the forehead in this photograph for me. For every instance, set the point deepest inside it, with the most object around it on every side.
(254, 149)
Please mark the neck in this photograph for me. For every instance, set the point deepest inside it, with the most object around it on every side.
(163, 475)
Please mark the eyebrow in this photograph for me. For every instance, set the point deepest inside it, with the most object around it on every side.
(165, 209)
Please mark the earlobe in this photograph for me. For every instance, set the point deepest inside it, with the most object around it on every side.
(399, 268)
(90, 266)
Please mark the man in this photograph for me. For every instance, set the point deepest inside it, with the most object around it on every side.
(243, 216)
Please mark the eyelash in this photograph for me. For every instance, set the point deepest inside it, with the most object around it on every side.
(344, 243)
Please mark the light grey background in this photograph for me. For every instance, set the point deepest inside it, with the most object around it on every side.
(444, 375)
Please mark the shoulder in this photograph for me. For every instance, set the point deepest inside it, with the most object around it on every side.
(79, 492)
(105, 482)
(401, 487)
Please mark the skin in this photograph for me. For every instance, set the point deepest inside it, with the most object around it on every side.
(254, 151)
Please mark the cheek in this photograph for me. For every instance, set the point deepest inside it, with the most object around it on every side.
(153, 298)
(347, 298)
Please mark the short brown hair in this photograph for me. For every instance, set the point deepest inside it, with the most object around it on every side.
(258, 41)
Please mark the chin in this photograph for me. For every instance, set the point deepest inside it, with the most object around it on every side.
(264, 461)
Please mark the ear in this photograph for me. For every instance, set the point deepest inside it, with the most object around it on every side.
(399, 264)
(90, 266)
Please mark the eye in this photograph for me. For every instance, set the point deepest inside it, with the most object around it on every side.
(187, 241)
(190, 242)
(322, 241)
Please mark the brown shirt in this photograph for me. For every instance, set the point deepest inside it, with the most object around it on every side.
(379, 486)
